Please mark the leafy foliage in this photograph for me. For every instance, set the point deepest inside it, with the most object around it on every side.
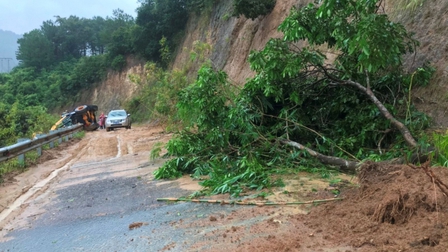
(441, 143)
(158, 92)
(156, 98)
(21, 121)
(54, 87)
(87, 71)
(207, 134)
(118, 63)
(235, 137)
(157, 19)
(72, 38)
(65, 57)
(29, 56)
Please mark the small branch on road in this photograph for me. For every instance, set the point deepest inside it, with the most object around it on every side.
(222, 202)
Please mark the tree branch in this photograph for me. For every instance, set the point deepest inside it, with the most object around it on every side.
(385, 112)
(343, 164)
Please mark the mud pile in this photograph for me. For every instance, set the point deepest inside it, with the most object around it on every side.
(396, 207)
(392, 208)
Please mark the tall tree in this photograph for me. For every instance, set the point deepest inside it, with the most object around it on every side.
(96, 42)
(35, 50)
(117, 34)
(74, 36)
(157, 19)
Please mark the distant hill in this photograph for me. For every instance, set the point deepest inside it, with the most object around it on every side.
(8, 48)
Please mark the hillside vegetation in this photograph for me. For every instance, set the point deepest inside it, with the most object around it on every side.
(251, 87)
(302, 110)
(75, 55)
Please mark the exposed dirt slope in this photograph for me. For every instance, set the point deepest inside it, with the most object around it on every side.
(232, 39)
(430, 24)
(113, 92)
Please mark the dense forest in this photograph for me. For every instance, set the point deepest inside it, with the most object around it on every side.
(298, 112)
(70, 54)
(56, 62)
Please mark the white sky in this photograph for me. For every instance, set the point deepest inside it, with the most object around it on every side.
(21, 16)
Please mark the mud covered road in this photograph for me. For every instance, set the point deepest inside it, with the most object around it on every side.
(103, 184)
(99, 194)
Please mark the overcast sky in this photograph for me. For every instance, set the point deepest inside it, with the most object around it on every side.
(21, 16)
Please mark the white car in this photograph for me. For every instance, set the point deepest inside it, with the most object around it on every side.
(118, 119)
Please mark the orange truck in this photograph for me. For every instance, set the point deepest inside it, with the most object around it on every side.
(84, 114)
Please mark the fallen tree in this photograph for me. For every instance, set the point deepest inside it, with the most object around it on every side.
(302, 110)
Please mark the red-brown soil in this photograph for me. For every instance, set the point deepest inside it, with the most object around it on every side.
(394, 208)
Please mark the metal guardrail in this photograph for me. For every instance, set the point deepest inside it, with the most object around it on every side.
(24, 146)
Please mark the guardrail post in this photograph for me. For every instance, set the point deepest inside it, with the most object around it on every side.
(39, 149)
(52, 142)
(60, 138)
(21, 157)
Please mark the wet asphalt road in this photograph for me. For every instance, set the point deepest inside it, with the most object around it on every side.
(92, 205)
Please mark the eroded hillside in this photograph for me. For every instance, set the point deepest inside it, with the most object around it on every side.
(232, 39)
(430, 24)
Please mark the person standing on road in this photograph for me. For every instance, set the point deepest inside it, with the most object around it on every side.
(102, 121)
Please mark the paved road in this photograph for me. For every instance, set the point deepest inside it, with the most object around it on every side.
(90, 206)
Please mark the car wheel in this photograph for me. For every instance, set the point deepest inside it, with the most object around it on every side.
(82, 108)
(107, 129)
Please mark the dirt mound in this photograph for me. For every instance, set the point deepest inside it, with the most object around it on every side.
(396, 207)
(393, 208)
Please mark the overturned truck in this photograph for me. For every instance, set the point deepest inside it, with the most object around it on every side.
(84, 114)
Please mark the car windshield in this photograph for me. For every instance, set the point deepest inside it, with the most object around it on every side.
(117, 113)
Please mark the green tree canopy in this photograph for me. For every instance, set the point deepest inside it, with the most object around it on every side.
(69, 38)
(157, 19)
(35, 50)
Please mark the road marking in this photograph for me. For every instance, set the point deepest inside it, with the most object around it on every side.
(118, 147)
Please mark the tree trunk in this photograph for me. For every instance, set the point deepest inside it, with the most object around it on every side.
(351, 166)
(343, 164)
